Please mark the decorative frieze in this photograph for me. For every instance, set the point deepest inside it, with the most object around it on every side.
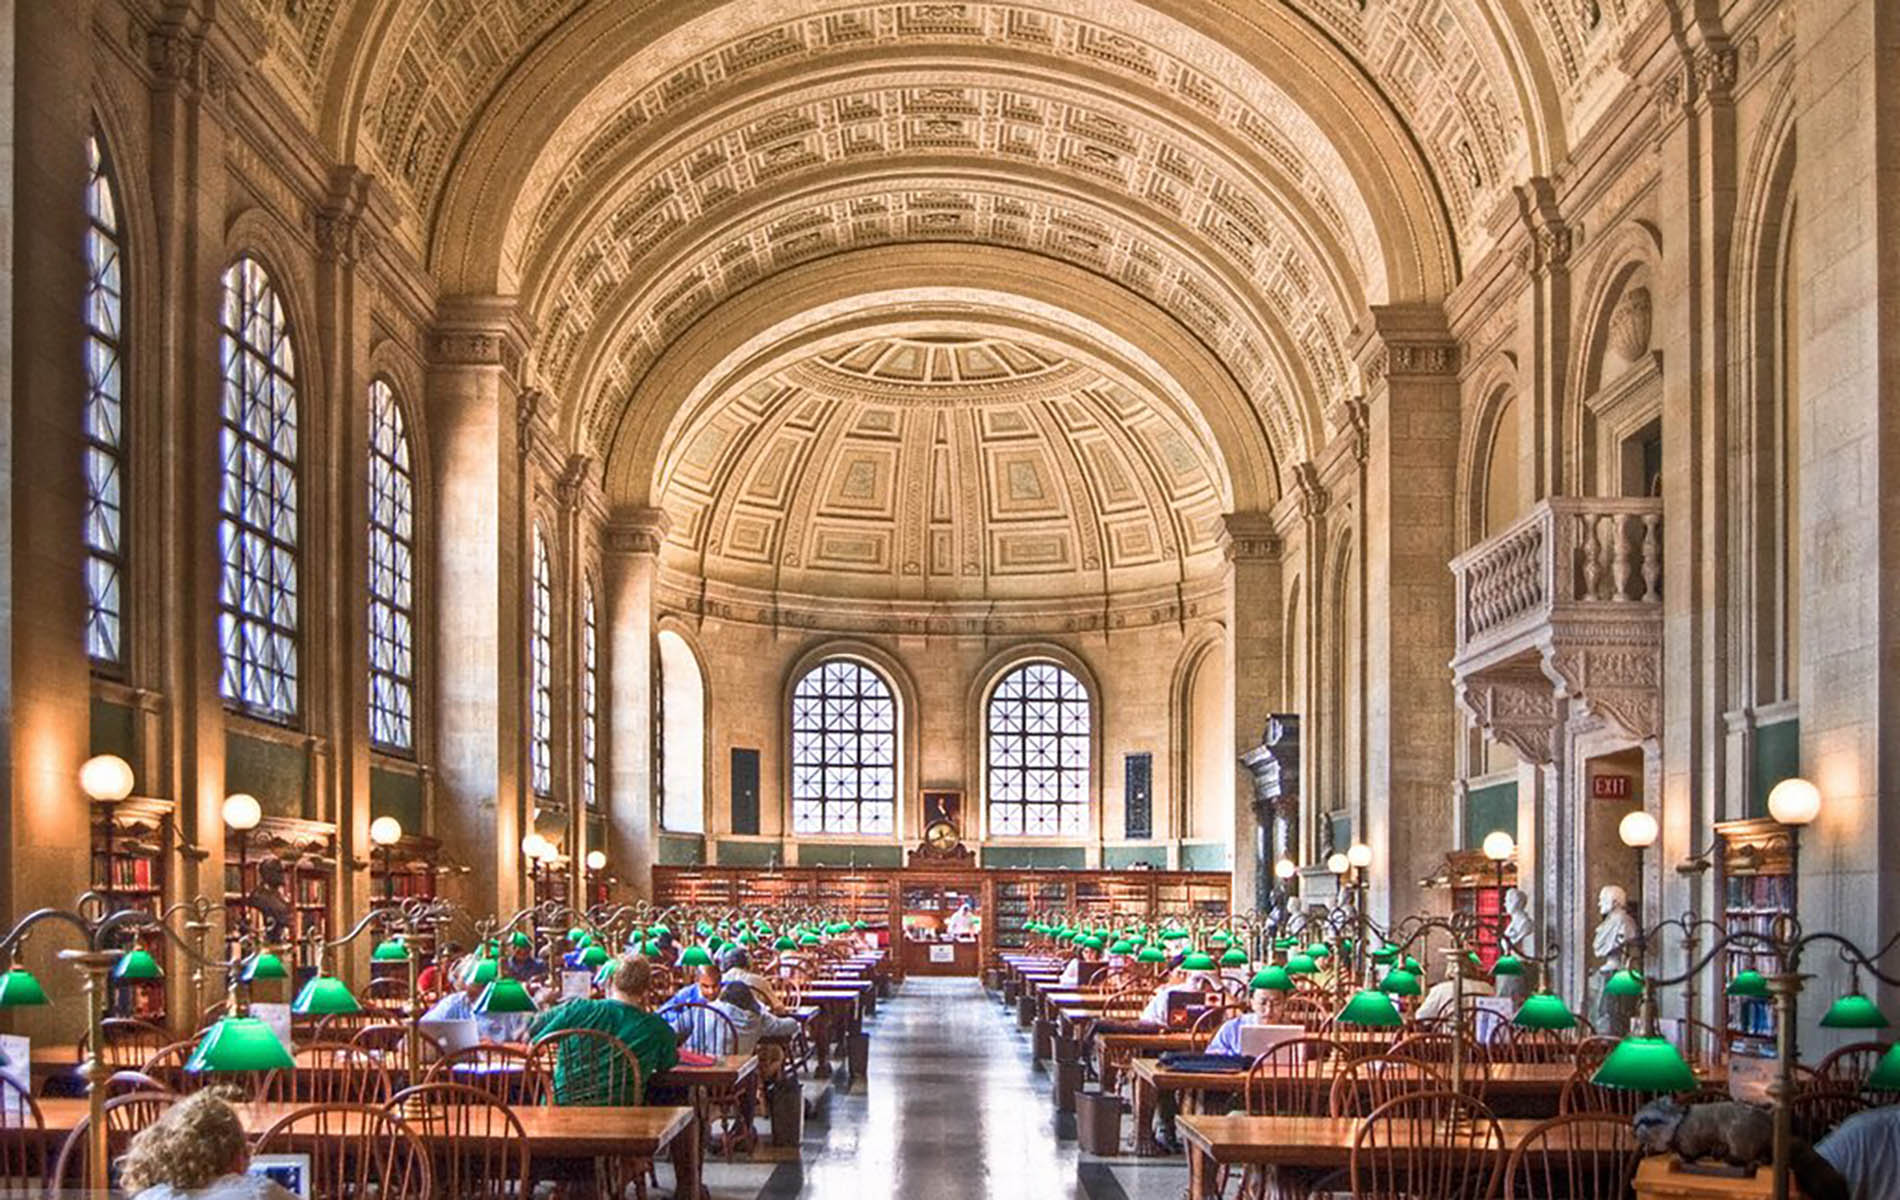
(640, 531)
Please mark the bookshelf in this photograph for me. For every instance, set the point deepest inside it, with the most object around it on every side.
(1478, 891)
(307, 849)
(131, 853)
(1757, 885)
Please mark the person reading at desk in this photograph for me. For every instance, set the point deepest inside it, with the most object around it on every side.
(703, 990)
(734, 968)
(1443, 995)
(1179, 981)
(1227, 1037)
(195, 1151)
(458, 1004)
(650, 1039)
(1072, 973)
(962, 923)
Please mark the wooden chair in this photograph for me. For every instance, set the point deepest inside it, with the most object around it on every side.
(391, 1040)
(1364, 1084)
(501, 1071)
(1426, 1143)
(585, 1067)
(356, 1152)
(1591, 1051)
(125, 1116)
(124, 1083)
(1579, 1095)
(1821, 1106)
(127, 1042)
(478, 1148)
(387, 987)
(22, 1143)
(167, 1067)
(1850, 1065)
(1703, 1043)
(1515, 1044)
(1581, 1156)
(703, 1029)
(329, 1073)
(341, 1027)
(1280, 1082)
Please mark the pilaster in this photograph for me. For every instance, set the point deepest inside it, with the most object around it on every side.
(630, 563)
(1255, 668)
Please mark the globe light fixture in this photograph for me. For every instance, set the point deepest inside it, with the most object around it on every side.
(385, 831)
(242, 812)
(1499, 846)
(1638, 829)
(534, 847)
(106, 777)
(1794, 801)
(1285, 869)
(1338, 863)
(596, 860)
(1359, 855)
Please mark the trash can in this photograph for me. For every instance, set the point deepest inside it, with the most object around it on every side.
(1068, 1083)
(788, 1112)
(1025, 1011)
(1040, 1036)
(1098, 1122)
(857, 1050)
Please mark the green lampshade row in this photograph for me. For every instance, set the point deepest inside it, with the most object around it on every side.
(1854, 1011)
(1507, 964)
(1273, 979)
(1886, 1074)
(264, 966)
(1302, 964)
(1645, 1064)
(1400, 982)
(390, 950)
(1544, 1011)
(593, 956)
(1749, 985)
(1385, 954)
(1285, 943)
(1151, 954)
(1200, 960)
(486, 971)
(239, 1044)
(1235, 957)
(1624, 983)
(784, 943)
(518, 939)
(137, 966)
(19, 989)
(695, 956)
(1318, 950)
(504, 996)
(1370, 1008)
(323, 996)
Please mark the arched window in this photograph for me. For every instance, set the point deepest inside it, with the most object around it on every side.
(590, 698)
(844, 750)
(541, 671)
(682, 737)
(258, 534)
(392, 574)
(104, 415)
(1037, 728)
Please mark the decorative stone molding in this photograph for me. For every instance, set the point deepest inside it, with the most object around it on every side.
(1313, 494)
(570, 488)
(1630, 324)
(338, 225)
(1516, 707)
(528, 405)
(1249, 537)
(641, 531)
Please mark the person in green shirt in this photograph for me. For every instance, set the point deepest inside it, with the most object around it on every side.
(579, 1078)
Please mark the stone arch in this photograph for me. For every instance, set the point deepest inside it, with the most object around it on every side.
(889, 667)
(1495, 389)
(983, 683)
(256, 233)
(1613, 340)
(1189, 726)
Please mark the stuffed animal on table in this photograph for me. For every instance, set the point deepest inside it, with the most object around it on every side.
(1739, 1135)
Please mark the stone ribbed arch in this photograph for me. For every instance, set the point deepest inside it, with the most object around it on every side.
(1288, 360)
(748, 337)
(586, 69)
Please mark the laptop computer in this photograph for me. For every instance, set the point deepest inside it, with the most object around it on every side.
(454, 1034)
(1256, 1040)
(289, 1171)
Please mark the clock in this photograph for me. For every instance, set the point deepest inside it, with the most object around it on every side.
(941, 835)
(943, 844)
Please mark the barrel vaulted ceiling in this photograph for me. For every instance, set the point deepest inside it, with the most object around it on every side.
(1261, 171)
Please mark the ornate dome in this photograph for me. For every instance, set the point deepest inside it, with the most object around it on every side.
(941, 468)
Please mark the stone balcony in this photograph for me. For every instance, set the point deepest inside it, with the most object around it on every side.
(1564, 605)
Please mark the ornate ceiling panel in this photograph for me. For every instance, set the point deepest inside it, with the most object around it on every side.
(884, 470)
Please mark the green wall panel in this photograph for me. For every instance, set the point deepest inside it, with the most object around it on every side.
(112, 733)
(1490, 808)
(273, 772)
(750, 854)
(1204, 856)
(1035, 858)
(1120, 858)
(396, 794)
(682, 851)
(831, 854)
(1777, 757)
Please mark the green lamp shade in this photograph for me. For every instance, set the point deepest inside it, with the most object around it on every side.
(1645, 1064)
(239, 1044)
(1411, 964)
(324, 996)
(1151, 954)
(1093, 942)
(390, 950)
(703, 928)
(505, 996)
(1749, 985)
(784, 943)
(264, 965)
(1401, 982)
(1385, 954)
(1274, 979)
(486, 971)
(1218, 938)
(1624, 983)
(860, 926)
(746, 939)
(1235, 957)
(520, 940)
(1854, 1011)
(1507, 964)
(1318, 950)
(18, 989)
(1302, 964)
(1886, 1075)
(656, 929)
(810, 939)
(1200, 960)
(605, 975)
(1545, 1011)
(695, 956)
(1173, 935)
(137, 966)
(578, 936)
(1285, 943)
(1371, 1008)
(1121, 946)
(593, 956)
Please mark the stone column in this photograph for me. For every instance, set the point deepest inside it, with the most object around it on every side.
(1254, 667)
(1411, 373)
(1847, 238)
(480, 696)
(630, 565)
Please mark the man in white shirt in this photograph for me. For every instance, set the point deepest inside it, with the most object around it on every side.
(458, 1004)
(1865, 1149)
(1198, 982)
(1443, 995)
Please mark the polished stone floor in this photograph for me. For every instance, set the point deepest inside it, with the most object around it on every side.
(952, 1108)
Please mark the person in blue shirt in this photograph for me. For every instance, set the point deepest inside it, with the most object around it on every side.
(703, 990)
(1227, 1037)
(458, 1004)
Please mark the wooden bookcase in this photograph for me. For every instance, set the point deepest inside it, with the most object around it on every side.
(1756, 885)
(308, 850)
(131, 859)
(1476, 891)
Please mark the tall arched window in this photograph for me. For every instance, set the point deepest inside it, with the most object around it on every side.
(541, 671)
(1037, 728)
(844, 750)
(682, 736)
(104, 415)
(590, 698)
(392, 574)
(258, 535)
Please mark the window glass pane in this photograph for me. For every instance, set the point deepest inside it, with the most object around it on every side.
(590, 699)
(541, 672)
(844, 751)
(392, 585)
(257, 535)
(1037, 728)
(104, 418)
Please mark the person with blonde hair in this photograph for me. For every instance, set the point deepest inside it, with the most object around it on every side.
(196, 1151)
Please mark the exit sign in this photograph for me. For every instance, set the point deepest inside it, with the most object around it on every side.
(1611, 787)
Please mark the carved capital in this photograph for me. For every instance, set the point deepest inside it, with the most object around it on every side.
(1313, 494)
(528, 405)
(573, 481)
(1249, 537)
(1716, 68)
(640, 531)
(172, 54)
(466, 348)
(1514, 706)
